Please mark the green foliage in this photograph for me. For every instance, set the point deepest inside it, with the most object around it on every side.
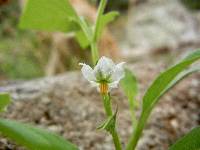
(103, 21)
(19, 57)
(9, 14)
(129, 85)
(18, 50)
(82, 39)
(85, 29)
(33, 138)
(190, 141)
(159, 87)
(49, 15)
(192, 4)
(109, 124)
(54, 15)
(4, 101)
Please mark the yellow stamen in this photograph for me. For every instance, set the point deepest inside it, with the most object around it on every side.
(104, 88)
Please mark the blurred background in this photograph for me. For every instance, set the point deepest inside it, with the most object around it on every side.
(145, 26)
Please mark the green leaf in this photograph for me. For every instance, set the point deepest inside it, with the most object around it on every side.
(181, 76)
(129, 85)
(104, 20)
(4, 101)
(33, 138)
(84, 36)
(110, 123)
(82, 39)
(101, 20)
(49, 15)
(191, 141)
(161, 84)
(159, 87)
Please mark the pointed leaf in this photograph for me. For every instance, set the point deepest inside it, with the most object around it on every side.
(33, 138)
(161, 84)
(190, 141)
(110, 123)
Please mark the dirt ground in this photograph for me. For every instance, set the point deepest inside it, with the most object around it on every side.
(67, 105)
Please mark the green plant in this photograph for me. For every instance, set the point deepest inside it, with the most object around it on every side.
(19, 50)
(104, 75)
(192, 4)
(164, 82)
(189, 141)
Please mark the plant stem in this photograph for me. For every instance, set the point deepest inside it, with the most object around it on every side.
(108, 109)
(116, 140)
(95, 53)
(94, 46)
(101, 9)
(138, 131)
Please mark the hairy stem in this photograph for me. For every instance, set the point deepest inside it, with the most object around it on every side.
(108, 109)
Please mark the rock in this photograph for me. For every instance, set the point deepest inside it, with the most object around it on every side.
(157, 25)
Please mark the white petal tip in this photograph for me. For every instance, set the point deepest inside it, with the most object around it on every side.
(122, 63)
(81, 64)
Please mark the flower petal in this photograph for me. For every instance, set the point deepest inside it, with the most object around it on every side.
(94, 84)
(105, 66)
(118, 72)
(113, 84)
(87, 72)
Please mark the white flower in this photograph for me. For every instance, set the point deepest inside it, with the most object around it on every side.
(105, 75)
